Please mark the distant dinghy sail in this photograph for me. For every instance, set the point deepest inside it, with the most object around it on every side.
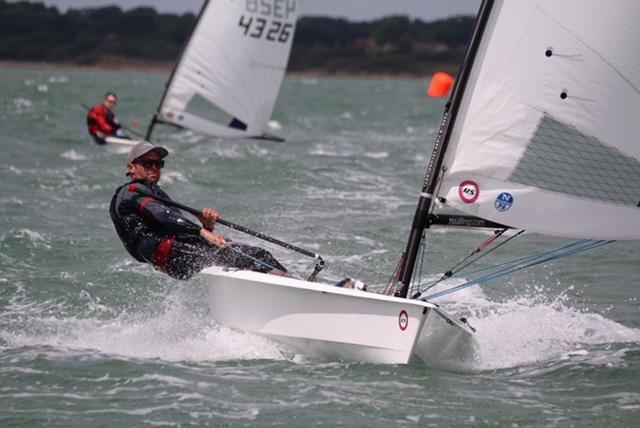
(228, 77)
(546, 137)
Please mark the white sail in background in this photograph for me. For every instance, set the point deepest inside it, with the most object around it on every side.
(229, 75)
(547, 135)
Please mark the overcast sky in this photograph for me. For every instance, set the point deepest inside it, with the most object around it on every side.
(354, 10)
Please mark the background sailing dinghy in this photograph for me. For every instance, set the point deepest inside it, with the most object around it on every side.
(227, 79)
(540, 133)
(121, 141)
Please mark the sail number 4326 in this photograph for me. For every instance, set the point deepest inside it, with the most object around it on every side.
(267, 19)
(272, 30)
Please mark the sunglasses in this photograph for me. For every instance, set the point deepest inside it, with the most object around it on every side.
(148, 163)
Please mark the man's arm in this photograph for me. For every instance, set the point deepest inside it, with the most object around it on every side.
(172, 220)
(213, 238)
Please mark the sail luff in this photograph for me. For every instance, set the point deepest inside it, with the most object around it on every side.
(154, 119)
(420, 220)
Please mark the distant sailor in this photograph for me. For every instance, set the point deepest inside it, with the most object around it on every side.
(163, 236)
(102, 121)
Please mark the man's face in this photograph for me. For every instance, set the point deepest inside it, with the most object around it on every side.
(146, 167)
(110, 102)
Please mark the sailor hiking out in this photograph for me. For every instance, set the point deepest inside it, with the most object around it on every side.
(156, 233)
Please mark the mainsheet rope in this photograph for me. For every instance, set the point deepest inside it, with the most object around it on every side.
(233, 248)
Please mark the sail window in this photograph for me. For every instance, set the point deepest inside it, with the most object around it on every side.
(201, 107)
(561, 159)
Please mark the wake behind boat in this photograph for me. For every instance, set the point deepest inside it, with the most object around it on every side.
(529, 140)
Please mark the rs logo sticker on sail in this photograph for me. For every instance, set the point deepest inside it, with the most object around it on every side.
(469, 191)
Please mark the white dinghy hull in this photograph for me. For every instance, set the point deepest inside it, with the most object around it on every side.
(121, 141)
(334, 323)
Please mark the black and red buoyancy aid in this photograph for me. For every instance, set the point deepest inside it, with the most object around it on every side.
(148, 228)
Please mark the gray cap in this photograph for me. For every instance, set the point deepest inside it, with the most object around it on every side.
(144, 147)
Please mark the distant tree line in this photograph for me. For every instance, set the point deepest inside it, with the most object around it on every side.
(396, 44)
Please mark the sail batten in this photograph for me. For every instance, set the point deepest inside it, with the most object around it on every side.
(546, 137)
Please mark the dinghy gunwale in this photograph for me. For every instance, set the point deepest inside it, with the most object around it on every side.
(316, 286)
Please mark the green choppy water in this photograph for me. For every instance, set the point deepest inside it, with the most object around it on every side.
(89, 337)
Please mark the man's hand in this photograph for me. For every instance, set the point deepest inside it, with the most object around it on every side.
(213, 238)
(209, 218)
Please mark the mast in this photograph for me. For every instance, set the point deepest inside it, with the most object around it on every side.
(421, 216)
(155, 119)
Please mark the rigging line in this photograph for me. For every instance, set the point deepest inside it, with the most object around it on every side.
(452, 272)
(421, 251)
(395, 277)
(511, 263)
(514, 269)
(477, 281)
(489, 251)
(421, 255)
(478, 249)
(523, 259)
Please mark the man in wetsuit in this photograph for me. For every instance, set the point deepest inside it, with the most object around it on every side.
(102, 121)
(161, 235)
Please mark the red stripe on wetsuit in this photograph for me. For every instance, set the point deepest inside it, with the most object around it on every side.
(163, 253)
(144, 203)
(163, 250)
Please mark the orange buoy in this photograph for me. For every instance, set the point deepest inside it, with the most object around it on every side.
(440, 85)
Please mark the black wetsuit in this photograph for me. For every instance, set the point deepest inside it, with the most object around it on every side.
(162, 236)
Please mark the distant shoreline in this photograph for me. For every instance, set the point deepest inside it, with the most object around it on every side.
(120, 65)
(166, 67)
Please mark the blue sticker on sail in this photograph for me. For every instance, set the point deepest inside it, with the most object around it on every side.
(504, 201)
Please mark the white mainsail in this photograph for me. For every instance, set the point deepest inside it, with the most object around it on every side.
(228, 78)
(546, 137)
